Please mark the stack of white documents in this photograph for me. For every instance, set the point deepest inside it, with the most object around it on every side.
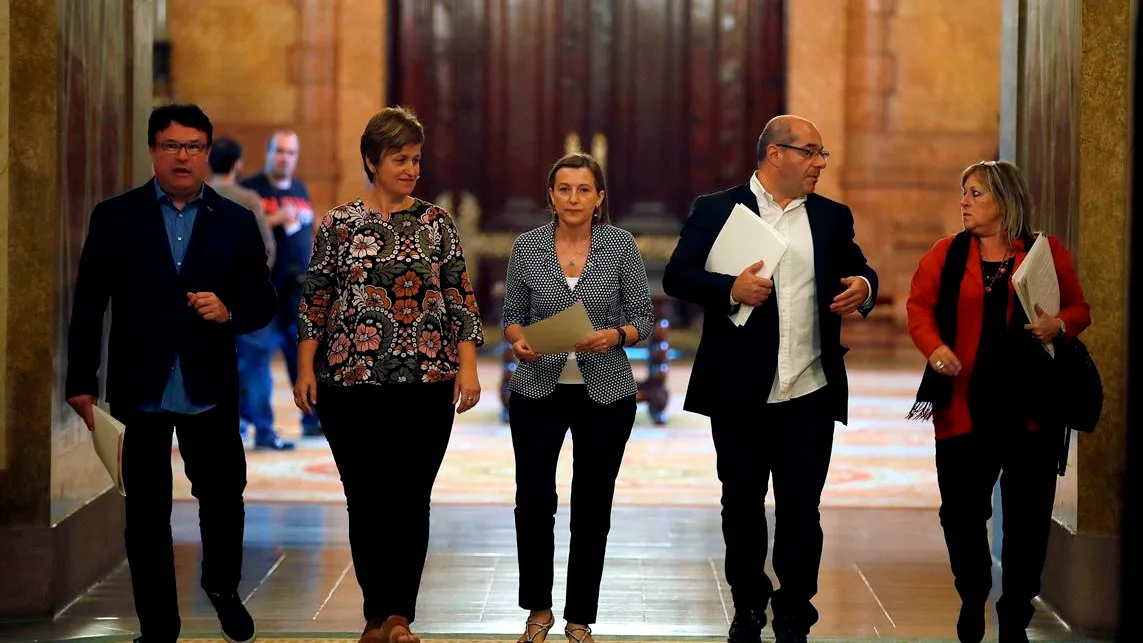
(1035, 283)
(745, 239)
(107, 437)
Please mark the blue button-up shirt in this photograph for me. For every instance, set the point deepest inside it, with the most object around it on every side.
(179, 224)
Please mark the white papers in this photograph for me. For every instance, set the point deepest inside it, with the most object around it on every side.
(560, 332)
(1036, 283)
(107, 436)
(745, 239)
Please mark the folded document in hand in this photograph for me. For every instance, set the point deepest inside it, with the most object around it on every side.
(560, 332)
(1036, 283)
(745, 239)
(107, 436)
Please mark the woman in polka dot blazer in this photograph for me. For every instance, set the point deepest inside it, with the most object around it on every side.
(590, 391)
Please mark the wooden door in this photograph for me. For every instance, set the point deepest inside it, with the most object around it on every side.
(670, 94)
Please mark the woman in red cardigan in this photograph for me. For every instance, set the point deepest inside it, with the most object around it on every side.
(991, 412)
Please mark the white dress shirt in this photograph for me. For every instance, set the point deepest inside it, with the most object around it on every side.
(799, 370)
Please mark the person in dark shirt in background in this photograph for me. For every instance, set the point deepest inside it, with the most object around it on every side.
(254, 349)
(291, 215)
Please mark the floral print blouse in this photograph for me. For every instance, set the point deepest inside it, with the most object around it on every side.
(387, 296)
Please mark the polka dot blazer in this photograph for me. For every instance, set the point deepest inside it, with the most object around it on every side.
(613, 288)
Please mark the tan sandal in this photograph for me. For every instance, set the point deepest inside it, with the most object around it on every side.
(541, 629)
(570, 632)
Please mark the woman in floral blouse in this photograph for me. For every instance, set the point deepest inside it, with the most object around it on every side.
(387, 334)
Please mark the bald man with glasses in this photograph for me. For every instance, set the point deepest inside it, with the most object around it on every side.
(774, 386)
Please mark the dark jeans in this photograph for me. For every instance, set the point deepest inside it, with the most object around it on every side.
(967, 469)
(793, 441)
(256, 351)
(215, 464)
(388, 442)
(599, 437)
(256, 390)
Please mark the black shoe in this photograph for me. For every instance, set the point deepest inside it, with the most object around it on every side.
(237, 624)
(312, 431)
(273, 444)
(747, 627)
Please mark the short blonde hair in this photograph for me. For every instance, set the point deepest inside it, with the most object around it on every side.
(1005, 182)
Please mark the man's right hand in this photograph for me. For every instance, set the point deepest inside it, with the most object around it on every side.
(749, 288)
(84, 406)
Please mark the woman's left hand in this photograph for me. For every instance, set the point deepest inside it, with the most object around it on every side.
(600, 341)
(1046, 328)
(466, 389)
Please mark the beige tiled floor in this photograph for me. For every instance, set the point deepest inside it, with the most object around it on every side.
(884, 575)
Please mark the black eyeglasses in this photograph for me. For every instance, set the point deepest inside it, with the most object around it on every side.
(172, 147)
(809, 152)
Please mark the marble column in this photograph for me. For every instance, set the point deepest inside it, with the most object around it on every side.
(66, 132)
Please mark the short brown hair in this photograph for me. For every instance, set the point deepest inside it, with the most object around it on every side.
(388, 131)
(578, 160)
(1005, 182)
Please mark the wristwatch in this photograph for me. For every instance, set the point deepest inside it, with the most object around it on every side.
(622, 336)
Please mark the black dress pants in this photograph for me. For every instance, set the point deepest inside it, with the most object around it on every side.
(215, 464)
(599, 438)
(793, 441)
(388, 442)
(967, 469)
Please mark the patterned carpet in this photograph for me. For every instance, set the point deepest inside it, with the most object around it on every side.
(879, 460)
(454, 638)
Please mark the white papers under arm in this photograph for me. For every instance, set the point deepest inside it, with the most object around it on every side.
(745, 239)
(107, 437)
(1036, 283)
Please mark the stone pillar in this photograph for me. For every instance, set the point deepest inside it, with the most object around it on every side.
(65, 136)
(913, 123)
(362, 70)
(313, 66)
(870, 78)
(1083, 93)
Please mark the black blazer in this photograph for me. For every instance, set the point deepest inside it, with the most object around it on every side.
(734, 364)
(127, 260)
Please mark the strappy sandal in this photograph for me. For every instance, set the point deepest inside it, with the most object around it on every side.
(541, 628)
(570, 632)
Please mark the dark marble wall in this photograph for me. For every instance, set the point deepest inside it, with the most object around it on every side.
(68, 69)
(1048, 112)
(1047, 144)
(94, 163)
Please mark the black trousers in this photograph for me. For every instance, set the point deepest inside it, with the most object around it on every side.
(967, 469)
(793, 441)
(388, 442)
(215, 464)
(599, 437)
